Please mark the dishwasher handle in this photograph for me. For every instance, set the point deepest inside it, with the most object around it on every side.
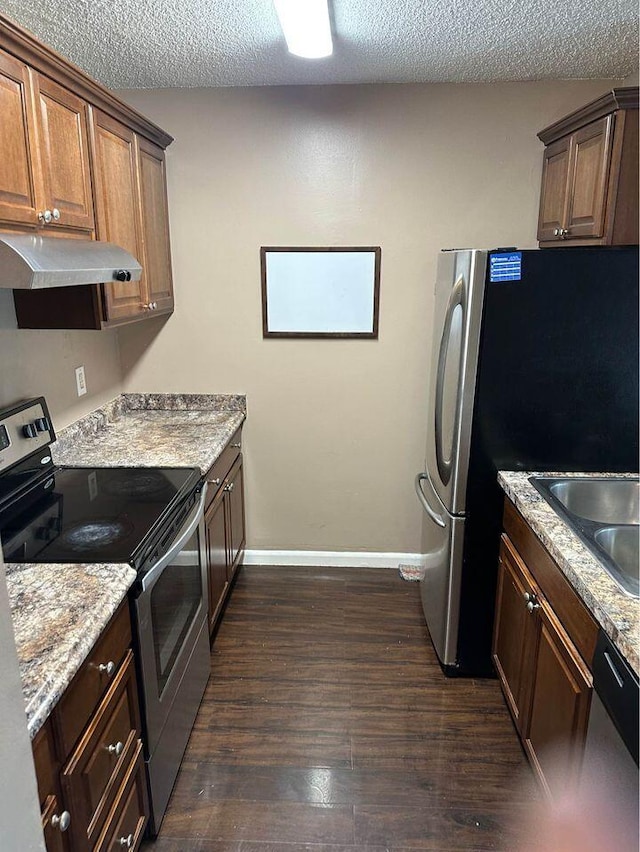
(618, 689)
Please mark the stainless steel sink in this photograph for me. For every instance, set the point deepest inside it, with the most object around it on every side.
(605, 501)
(605, 515)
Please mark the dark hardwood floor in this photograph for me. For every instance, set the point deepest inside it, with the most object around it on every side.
(327, 726)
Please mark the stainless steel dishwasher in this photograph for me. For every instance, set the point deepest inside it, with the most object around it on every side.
(611, 748)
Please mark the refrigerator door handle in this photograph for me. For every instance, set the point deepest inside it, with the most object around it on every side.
(437, 519)
(457, 298)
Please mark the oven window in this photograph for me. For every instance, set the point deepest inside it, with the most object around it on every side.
(175, 600)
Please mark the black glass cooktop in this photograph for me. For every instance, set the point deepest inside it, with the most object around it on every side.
(93, 514)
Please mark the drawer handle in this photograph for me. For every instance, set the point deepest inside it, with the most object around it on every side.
(116, 749)
(126, 842)
(237, 446)
(107, 668)
(62, 822)
(216, 481)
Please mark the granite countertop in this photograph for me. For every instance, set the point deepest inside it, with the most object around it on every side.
(615, 611)
(153, 430)
(59, 611)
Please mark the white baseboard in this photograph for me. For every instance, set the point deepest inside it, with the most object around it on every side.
(331, 559)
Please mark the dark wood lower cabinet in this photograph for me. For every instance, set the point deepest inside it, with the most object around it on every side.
(216, 549)
(514, 633)
(556, 726)
(88, 754)
(546, 682)
(54, 837)
(225, 533)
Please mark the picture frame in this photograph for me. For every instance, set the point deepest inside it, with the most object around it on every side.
(320, 291)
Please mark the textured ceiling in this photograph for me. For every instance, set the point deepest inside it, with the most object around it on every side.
(158, 43)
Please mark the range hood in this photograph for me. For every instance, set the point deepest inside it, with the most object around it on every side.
(30, 262)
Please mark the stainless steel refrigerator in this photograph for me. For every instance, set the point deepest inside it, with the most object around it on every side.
(534, 367)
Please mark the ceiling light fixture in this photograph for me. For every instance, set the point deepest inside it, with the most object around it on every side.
(306, 27)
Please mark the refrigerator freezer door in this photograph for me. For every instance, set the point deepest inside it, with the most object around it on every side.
(443, 537)
(459, 296)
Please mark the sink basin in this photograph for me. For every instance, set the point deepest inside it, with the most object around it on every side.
(622, 544)
(605, 501)
(605, 515)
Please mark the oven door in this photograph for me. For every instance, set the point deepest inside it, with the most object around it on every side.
(170, 612)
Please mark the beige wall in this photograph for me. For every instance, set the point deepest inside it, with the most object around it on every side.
(36, 363)
(336, 429)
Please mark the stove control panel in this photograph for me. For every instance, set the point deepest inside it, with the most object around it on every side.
(24, 429)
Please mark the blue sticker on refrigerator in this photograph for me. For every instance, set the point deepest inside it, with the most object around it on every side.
(505, 266)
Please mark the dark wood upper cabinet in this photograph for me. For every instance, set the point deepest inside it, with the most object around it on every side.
(62, 142)
(589, 193)
(154, 222)
(77, 162)
(45, 175)
(116, 200)
(18, 202)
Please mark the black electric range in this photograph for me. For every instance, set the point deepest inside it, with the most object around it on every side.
(78, 514)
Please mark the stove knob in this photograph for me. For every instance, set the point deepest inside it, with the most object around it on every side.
(29, 430)
(42, 424)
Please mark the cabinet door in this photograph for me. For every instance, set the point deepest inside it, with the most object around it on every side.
(63, 149)
(514, 632)
(235, 501)
(117, 214)
(155, 226)
(17, 174)
(589, 174)
(216, 555)
(553, 196)
(560, 698)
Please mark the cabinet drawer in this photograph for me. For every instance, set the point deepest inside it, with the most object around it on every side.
(92, 681)
(221, 467)
(96, 769)
(127, 819)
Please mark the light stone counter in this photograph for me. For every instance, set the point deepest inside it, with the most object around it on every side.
(152, 430)
(58, 613)
(616, 612)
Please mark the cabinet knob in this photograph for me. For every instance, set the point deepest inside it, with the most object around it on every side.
(564, 232)
(532, 607)
(528, 597)
(116, 749)
(556, 232)
(107, 668)
(237, 446)
(62, 822)
(45, 216)
(56, 214)
(215, 481)
(126, 842)
(150, 306)
(229, 487)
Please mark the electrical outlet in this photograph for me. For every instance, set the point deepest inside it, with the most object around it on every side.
(81, 382)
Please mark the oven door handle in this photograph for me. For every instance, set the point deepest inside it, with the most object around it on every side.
(192, 523)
